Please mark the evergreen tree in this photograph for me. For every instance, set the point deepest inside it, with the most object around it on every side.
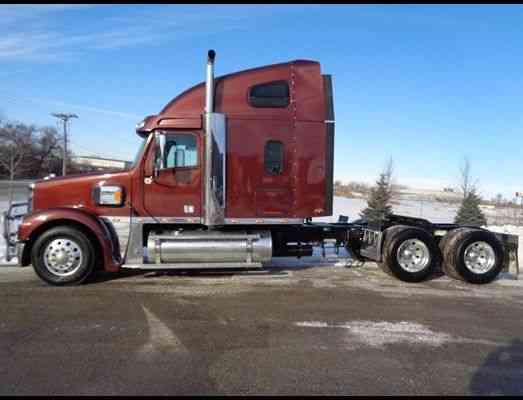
(378, 204)
(469, 212)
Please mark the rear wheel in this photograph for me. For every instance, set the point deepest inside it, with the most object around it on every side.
(63, 256)
(472, 255)
(409, 253)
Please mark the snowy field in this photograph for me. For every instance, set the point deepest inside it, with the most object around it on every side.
(433, 211)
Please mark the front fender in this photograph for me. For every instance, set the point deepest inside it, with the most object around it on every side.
(37, 222)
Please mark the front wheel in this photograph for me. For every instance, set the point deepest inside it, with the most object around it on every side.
(63, 256)
(409, 253)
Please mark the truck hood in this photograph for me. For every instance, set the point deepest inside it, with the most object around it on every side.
(76, 176)
(76, 190)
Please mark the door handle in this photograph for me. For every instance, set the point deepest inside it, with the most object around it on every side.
(148, 180)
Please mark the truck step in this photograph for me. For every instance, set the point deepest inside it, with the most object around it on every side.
(194, 266)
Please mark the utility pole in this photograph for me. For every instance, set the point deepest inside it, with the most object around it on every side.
(520, 195)
(65, 119)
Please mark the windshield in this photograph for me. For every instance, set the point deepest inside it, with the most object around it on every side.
(138, 153)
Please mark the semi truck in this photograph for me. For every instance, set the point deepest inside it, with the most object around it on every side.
(230, 174)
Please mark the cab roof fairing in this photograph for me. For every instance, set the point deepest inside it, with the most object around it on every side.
(196, 94)
(145, 127)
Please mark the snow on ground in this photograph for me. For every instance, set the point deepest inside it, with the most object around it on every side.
(378, 334)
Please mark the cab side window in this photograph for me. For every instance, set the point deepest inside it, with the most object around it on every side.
(273, 157)
(180, 151)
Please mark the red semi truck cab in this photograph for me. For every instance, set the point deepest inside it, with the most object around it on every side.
(229, 174)
(259, 154)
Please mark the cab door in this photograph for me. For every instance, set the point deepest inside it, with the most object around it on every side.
(174, 189)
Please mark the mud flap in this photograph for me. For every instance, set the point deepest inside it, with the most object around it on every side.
(510, 247)
(371, 244)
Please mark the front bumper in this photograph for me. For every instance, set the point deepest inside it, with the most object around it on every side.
(12, 219)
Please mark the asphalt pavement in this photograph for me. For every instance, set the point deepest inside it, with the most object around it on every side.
(306, 329)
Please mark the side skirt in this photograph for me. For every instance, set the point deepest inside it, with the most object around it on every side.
(194, 266)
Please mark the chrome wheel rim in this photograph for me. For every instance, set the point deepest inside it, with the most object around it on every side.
(413, 255)
(479, 257)
(63, 257)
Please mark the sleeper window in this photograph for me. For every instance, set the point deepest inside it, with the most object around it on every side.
(273, 158)
(270, 94)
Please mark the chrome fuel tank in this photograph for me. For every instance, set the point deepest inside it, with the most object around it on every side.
(209, 247)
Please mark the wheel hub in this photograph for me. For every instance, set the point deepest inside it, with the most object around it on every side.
(479, 257)
(63, 256)
(413, 255)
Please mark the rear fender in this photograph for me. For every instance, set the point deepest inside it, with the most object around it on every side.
(37, 222)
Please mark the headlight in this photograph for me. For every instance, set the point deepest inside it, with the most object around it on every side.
(108, 195)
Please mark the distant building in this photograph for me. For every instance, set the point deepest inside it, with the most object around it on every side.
(99, 163)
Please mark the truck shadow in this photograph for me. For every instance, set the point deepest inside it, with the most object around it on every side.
(104, 276)
(501, 372)
(275, 268)
(278, 267)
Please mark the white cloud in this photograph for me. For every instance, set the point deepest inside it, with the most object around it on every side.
(19, 13)
(35, 33)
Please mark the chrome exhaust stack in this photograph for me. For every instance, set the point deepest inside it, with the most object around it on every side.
(215, 154)
(209, 89)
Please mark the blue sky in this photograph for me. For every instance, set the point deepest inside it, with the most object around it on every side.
(426, 85)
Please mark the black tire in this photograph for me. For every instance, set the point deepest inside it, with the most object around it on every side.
(451, 272)
(85, 265)
(389, 232)
(454, 248)
(395, 237)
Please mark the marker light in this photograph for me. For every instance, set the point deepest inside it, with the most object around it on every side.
(108, 195)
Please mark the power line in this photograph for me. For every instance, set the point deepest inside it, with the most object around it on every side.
(86, 108)
(97, 154)
(80, 107)
(65, 119)
(75, 143)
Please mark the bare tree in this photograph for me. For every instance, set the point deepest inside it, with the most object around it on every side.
(15, 145)
(389, 169)
(388, 172)
(467, 184)
(45, 153)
